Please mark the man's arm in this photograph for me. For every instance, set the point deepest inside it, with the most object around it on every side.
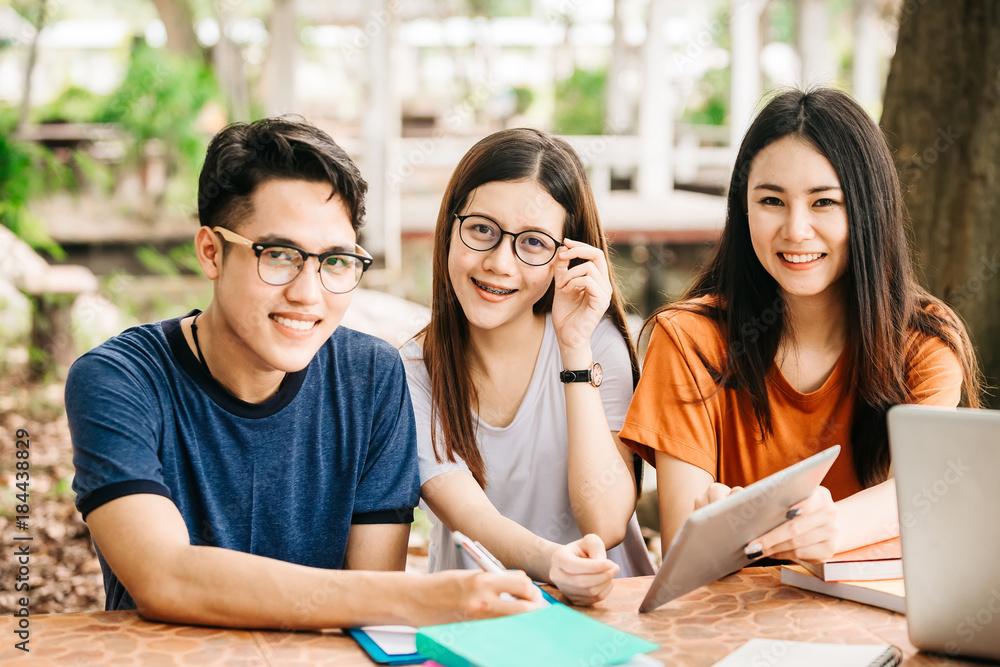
(145, 542)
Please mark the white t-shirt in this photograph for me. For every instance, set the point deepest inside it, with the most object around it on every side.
(527, 463)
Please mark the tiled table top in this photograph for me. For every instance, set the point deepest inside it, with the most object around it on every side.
(697, 629)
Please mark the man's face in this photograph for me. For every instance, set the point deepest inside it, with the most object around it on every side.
(280, 328)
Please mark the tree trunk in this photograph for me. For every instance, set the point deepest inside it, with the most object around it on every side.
(942, 117)
(178, 21)
(29, 68)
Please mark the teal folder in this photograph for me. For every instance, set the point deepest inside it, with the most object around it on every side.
(551, 636)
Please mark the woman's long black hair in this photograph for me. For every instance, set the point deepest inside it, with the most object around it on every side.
(885, 304)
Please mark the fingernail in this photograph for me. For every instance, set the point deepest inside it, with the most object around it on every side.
(755, 555)
(791, 514)
(754, 548)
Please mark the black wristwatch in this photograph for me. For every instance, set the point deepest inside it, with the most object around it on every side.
(594, 375)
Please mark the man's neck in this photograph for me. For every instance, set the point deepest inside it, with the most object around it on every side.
(247, 383)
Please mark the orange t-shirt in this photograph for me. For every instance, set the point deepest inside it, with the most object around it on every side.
(674, 409)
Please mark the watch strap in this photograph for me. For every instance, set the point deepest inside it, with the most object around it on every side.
(575, 376)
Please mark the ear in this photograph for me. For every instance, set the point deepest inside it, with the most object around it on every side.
(208, 249)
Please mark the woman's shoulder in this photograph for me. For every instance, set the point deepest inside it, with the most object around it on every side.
(696, 318)
(935, 334)
(691, 327)
(412, 353)
(412, 349)
(936, 325)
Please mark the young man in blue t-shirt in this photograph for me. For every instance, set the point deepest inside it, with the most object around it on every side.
(254, 464)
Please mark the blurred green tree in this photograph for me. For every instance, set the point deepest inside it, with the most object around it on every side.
(579, 107)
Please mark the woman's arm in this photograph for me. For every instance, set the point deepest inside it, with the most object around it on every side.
(681, 488)
(580, 569)
(601, 481)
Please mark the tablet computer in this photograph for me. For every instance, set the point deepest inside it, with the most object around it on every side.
(710, 543)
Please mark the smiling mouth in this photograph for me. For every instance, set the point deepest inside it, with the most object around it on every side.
(298, 325)
(492, 290)
(801, 259)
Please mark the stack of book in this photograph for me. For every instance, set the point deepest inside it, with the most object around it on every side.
(870, 575)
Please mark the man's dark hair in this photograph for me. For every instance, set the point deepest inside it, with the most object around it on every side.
(244, 155)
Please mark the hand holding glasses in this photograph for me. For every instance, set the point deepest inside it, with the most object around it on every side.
(531, 246)
(279, 264)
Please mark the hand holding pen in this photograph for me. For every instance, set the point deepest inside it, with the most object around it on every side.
(481, 556)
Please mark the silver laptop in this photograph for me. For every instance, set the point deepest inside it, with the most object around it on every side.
(946, 462)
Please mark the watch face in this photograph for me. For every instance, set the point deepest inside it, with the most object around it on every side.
(596, 375)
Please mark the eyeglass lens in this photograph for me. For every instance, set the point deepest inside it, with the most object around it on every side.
(531, 247)
(338, 273)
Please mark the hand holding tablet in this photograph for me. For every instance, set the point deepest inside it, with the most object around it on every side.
(714, 540)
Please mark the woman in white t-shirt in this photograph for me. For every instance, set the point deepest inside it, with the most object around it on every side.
(523, 377)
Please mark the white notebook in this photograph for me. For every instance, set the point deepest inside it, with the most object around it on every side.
(782, 653)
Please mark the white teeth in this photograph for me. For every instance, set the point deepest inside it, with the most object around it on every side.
(801, 259)
(492, 290)
(298, 325)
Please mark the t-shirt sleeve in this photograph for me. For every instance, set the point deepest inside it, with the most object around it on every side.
(420, 392)
(389, 487)
(934, 376)
(611, 351)
(113, 419)
(668, 413)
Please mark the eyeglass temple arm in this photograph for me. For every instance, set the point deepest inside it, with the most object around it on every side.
(232, 236)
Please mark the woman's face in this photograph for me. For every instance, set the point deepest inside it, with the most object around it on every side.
(798, 222)
(494, 287)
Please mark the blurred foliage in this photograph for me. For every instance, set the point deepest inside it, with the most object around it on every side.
(185, 257)
(525, 97)
(579, 107)
(781, 27)
(160, 98)
(179, 259)
(27, 170)
(74, 105)
(492, 8)
(156, 262)
(709, 102)
(62, 490)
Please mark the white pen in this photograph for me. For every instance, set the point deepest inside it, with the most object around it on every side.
(486, 561)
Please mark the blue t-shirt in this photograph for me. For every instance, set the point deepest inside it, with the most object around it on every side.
(285, 478)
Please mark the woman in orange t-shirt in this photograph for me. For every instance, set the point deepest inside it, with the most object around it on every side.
(799, 334)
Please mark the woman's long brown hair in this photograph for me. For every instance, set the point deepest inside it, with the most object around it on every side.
(509, 155)
(885, 304)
